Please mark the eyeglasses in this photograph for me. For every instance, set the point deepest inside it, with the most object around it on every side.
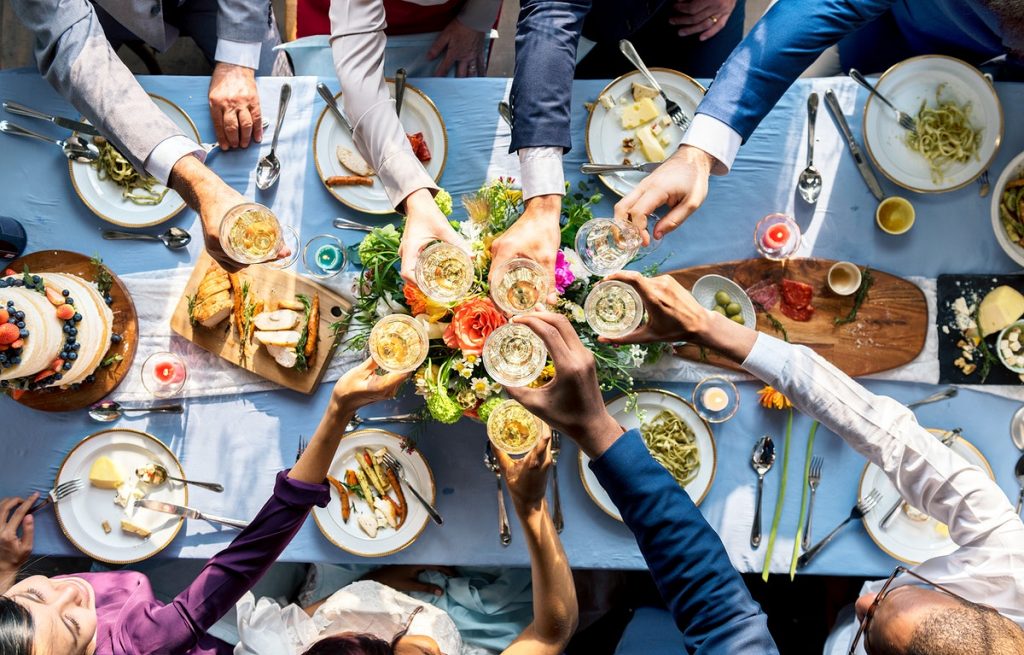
(405, 630)
(882, 594)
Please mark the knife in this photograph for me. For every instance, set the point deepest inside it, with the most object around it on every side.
(597, 169)
(858, 157)
(76, 126)
(328, 97)
(189, 513)
(399, 90)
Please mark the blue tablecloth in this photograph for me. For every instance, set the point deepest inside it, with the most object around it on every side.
(243, 440)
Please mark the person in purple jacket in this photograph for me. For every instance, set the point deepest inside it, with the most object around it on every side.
(116, 612)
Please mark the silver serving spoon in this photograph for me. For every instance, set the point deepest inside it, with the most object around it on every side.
(810, 179)
(74, 148)
(174, 238)
(269, 168)
(1017, 428)
(108, 411)
(212, 486)
(1018, 470)
(761, 459)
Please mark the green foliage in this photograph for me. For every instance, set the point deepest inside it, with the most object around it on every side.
(443, 199)
(577, 209)
(488, 406)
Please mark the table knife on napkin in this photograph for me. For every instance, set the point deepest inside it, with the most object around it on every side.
(189, 513)
(858, 157)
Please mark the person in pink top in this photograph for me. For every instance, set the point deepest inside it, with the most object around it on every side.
(116, 613)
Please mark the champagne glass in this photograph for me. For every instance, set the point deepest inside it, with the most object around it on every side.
(514, 356)
(324, 256)
(512, 428)
(522, 286)
(250, 233)
(398, 343)
(444, 272)
(290, 240)
(613, 308)
(605, 246)
(777, 237)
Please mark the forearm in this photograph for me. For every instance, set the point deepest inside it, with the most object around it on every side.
(195, 183)
(556, 612)
(316, 460)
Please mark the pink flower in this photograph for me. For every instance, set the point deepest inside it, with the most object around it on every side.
(563, 273)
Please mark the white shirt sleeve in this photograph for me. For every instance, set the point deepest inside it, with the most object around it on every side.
(240, 54)
(715, 138)
(167, 153)
(541, 171)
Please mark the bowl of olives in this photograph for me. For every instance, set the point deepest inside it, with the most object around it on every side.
(722, 295)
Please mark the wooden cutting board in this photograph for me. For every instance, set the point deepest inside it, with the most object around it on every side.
(265, 283)
(889, 330)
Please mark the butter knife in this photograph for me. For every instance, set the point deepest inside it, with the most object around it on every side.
(400, 76)
(189, 513)
(76, 126)
(858, 157)
(598, 169)
(328, 97)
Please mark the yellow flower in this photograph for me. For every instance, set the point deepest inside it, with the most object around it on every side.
(546, 375)
(772, 399)
(477, 208)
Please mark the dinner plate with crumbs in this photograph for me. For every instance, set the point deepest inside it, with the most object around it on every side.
(106, 198)
(672, 430)
(92, 520)
(371, 531)
(959, 106)
(912, 537)
(419, 117)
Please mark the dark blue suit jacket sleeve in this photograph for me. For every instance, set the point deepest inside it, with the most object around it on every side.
(546, 39)
(787, 39)
(708, 599)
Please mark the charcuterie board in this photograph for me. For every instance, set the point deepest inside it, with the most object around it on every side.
(888, 331)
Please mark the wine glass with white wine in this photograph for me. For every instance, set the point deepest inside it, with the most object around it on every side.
(613, 308)
(512, 428)
(398, 343)
(444, 272)
(605, 245)
(522, 286)
(514, 355)
(250, 233)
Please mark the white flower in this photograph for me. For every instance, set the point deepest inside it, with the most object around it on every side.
(574, 311)
(575, 264)
(388, 305)
(638, 354)
(472, 231)
(481, 387)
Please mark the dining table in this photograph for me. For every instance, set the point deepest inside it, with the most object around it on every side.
(242, 438)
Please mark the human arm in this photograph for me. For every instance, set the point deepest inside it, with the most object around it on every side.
(703, 17)
(462, 41)
(14, 549)
(242, 26)
(534, 235)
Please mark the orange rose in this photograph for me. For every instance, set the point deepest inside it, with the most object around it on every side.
(473, 321)
(420, 304)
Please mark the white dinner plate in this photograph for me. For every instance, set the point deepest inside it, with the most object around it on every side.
(348, 536)
(1013, 170)
(705, 288)
(103, 197)
(604, 127)
(650, 402)
(418, 115)
(906, 85)
(907, 540)
(82, 514)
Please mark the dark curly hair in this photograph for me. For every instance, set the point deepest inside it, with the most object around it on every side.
(16, 628)
(348, 643)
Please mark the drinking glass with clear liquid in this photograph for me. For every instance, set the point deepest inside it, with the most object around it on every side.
(605, 245)
(613, 308)
(512, 428)
(250, 233)
(444, 273)
(514, 355)
(398, 343)
(522, 286)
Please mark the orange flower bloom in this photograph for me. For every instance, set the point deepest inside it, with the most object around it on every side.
(420, 304)
(772, 399)
(471, 324)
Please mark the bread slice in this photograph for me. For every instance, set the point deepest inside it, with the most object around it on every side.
(353, 161)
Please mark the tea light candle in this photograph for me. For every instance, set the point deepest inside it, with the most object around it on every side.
(168, 371)
(329, 258)
(776, 237)
(714, 399)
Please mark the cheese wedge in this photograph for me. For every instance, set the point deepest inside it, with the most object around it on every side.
(353, 161)
(641, 91)
(131, 528)
(637, 113)
(105, 474)
(649, 144)
(1002, 306)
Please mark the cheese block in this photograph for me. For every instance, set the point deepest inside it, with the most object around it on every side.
(639, 112)
(641, 91)
(1001, 307)
(105, 474)
(132, 528)
(650, 146)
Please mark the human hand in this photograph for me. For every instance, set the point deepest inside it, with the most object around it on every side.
(673, 314)
(424, 224)
(706, 17)
(681, 182)
(235, 106)
(535, 235)
(361, 385)
(571, 402)
(407, 578)
(463, 47)
(527, 477)
(15, 550)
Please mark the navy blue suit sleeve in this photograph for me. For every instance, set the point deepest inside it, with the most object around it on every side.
(546, 39)
(707, 597)
(787, 39)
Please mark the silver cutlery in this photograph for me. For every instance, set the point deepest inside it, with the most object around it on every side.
(813, 480)
(862, 507)
(269, 167)
(108, 411)
(74, 147)
(809, 184)
(210, 147)
(1017, 428)
(1018, 471)
(945, 394)
(556, 498)
(504, 531)
(357, 420)
(761, 459)
(675, 112)
(174, 238)
(983, 184)
(396, 467)
(328, 97)
(189, 513)
(947, 440)
(598, 169)
(345, 224)
(212, 486)
(505, 111)
(832, 104)
(400, 77)
(76, 126)
(301, 448)
(905, 120)
(58, 493)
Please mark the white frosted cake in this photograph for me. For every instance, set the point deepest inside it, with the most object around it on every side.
(55, 329)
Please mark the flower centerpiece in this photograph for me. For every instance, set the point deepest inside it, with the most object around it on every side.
(453, 379)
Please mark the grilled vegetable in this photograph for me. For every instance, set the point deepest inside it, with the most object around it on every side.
(364, 487)
(346, 504)
(403, 507)
(366, 463)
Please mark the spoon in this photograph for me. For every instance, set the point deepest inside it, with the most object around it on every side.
(345, 224)
(945, 394)
(74, 148)
(505, 111)
(269, 168)
(174, 238)
(1017, 428)
(212, 486)
(108, 411)
(810, 179)
(761, 459)
(1018, 470)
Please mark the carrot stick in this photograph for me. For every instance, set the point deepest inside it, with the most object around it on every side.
(403, 507)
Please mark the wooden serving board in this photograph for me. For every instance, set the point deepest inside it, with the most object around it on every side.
(889, 330)
(126, 323)
(265, 283)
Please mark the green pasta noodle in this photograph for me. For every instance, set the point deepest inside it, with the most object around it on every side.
(673, 445)
(944, 135)
(138, 188)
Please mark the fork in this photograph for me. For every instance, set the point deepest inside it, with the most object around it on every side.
(210, 147)
(813, 478)
(984, 185)
(58, 493)
(556, 500)
(301, 448)
(399, 470)
(862, 507)
(905, 120)
(675, 112)
(504, 531)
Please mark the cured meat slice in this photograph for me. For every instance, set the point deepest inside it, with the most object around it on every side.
(798, 313)
(796, 294)
(764, 295)
(419, 146)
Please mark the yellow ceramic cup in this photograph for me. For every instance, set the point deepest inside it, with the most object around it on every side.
(895, 215)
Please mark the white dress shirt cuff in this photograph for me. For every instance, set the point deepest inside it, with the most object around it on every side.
(767, 357)
(401, 174)
(541, 170)
(715, 138)
(238, 53)
(167, 153)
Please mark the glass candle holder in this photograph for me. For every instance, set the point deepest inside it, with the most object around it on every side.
(514, 356)
(164, 374)
(716, 399)
(613, 308)
(512, 428)
(398, 343)
(250, 233)
(444, 272)
(777, 237)
(522, 286)
(290, 240)
(605, 246)
(324, 256)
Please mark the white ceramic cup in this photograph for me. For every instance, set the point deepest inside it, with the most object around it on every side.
(850, 282)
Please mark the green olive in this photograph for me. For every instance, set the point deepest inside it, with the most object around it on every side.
(738, 318)
(719, 309)
(722, 298)
(732, 309)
